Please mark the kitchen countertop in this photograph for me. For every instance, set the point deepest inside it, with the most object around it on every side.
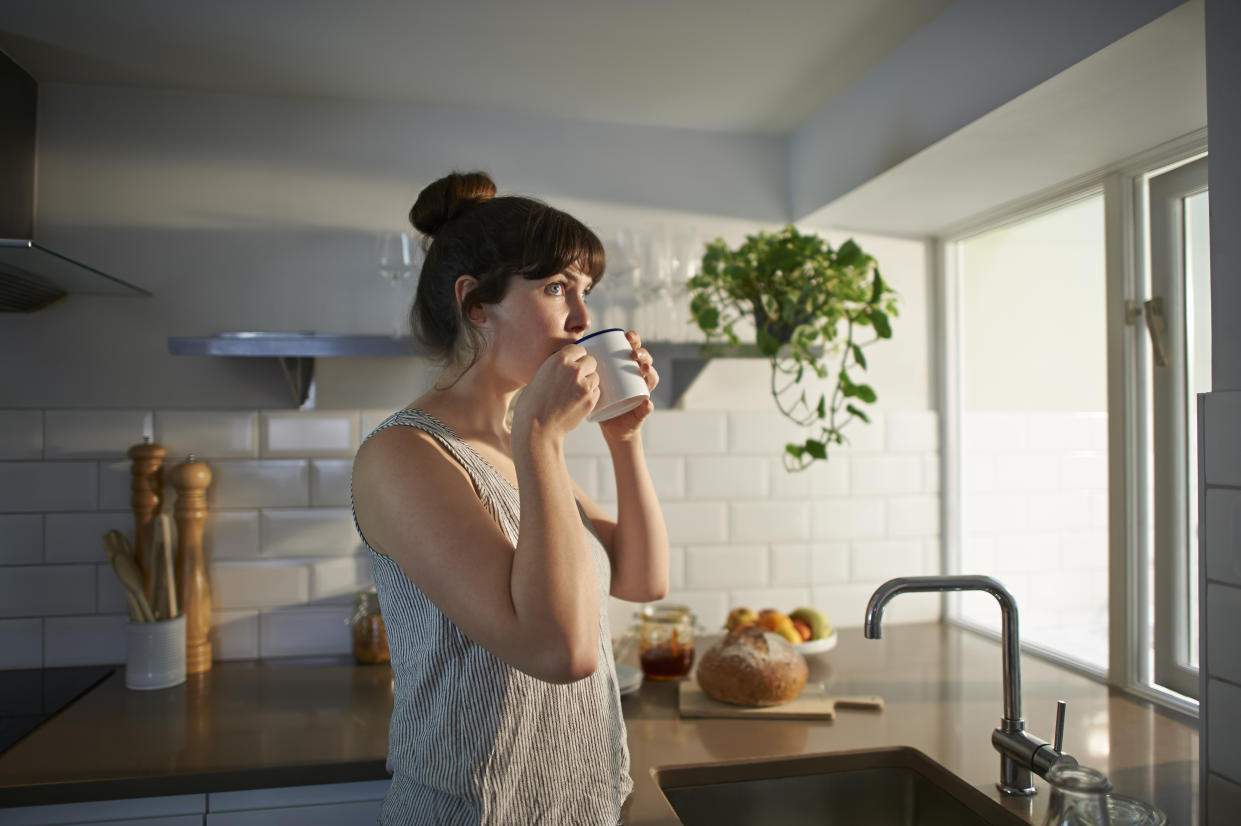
(247, 725)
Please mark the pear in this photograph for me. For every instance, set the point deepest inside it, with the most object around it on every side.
(819, 626)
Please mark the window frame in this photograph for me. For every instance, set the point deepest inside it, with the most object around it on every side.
(1130, 539)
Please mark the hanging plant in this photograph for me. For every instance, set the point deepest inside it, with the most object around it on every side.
(807, 302)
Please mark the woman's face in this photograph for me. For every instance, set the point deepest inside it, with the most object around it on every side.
(535, 319)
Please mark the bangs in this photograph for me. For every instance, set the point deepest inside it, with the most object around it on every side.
(556, 242)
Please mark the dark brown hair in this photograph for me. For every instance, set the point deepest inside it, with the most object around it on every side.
(472, 232)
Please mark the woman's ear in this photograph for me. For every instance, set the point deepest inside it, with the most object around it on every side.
(461, 289)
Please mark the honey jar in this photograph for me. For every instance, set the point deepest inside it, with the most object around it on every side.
(370, 638)
(665, 641)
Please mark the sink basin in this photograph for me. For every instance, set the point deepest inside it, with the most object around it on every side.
(879, 787)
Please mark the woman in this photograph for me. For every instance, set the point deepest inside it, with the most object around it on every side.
(493, 567)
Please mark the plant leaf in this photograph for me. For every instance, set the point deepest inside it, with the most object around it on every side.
(848, 254)
(816, 448)
(796, 451)
(865, 393)
(709, 319)
(822, 408)
(882, 328)
(858, 357)
(857, 413)
(767, 344)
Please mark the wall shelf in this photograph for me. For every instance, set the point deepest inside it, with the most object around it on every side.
(679, 363)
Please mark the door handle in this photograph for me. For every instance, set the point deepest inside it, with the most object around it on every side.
(1158, 329)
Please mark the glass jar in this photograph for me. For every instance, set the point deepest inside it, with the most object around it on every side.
(370, 638)
(1078, 796)
(665, 641)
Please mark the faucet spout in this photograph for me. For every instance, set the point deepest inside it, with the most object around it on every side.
(1010, 640)
(1020, 752)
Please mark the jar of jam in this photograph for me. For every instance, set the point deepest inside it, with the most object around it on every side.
(370, 638)
(666, 641)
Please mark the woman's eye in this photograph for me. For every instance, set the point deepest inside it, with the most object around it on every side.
(556, 288)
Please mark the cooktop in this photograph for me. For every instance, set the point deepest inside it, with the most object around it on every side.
(30, 696)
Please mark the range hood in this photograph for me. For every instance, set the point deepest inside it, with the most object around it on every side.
(32, 275)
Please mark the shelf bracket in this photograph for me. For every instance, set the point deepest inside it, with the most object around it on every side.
(299, 373)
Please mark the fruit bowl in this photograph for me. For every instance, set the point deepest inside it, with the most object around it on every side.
(818, 646)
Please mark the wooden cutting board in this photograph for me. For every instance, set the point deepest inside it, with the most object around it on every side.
(814, 703)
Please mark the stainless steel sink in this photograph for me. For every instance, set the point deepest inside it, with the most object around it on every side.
(879, 787)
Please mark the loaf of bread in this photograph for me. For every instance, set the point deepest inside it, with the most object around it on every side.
(753, 667)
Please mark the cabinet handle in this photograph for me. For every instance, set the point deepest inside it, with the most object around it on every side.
(1158, 329)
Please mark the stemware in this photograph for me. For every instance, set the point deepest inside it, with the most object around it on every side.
(397, 260)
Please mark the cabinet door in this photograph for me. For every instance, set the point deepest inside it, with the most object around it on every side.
(170, 810)
(360, 813)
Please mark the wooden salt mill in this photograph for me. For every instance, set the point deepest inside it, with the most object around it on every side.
(191, 479)
(147, 500)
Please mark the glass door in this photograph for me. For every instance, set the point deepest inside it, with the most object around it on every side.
(1178, 323)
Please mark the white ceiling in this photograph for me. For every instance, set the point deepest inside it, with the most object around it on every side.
(722, 65)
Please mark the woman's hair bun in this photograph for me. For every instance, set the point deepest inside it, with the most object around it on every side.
(444, 200)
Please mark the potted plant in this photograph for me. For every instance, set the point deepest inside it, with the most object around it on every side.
(808, 303)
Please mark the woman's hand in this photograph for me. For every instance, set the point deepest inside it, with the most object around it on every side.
(625, 426)
(561, 394)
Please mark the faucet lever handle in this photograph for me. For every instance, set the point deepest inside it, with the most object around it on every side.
(1058, 745)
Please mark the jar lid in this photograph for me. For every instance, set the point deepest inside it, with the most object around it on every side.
(666, 612)
(1073, 777)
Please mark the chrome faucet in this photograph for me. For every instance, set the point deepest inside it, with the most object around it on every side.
(1020, 751)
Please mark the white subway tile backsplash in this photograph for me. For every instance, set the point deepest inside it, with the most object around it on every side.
(845, 607)
(372, 419)
(995, 512)
(78, 537)
(830, 478)
(232, 534)
(115, 485)
(829, 562)
(258, 584)
(978, 473)
(1223, 611)
(1222, 718)
(696, 521)
(1083, 550)
(782, 599)
(998, 431)
(676, 568)
(293, 433)
(848, 518)
(765, 433)
(22, 539)
(587, 440)
(330, 481)
(913, 516)
(1083, 471)
(47, 590)
(294, 632)
(21, 434)
(339, 579)
(210, 435)
(585, 471)
(790, 564)
(109, 595)
(96, 640)
(41, 487)
(879, 560)
(1027, 472)
(685, 433)
(21, 643)
(708, 607)
(713, 568)
(769, 521)
(308, 532)
(797, 484)
(1222, 439)
(234, 635)
(912, 432)
(884, 475)
(930, 474)
(1060, 432)
(723, 477)
(270, 483)
(1222, 535)
(1070, 511)
(667, 475)
(92, 434)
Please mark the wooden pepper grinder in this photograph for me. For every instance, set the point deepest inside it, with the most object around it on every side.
(191, 479)
(147, 500)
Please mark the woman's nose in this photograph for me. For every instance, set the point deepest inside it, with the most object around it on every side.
(579, 317)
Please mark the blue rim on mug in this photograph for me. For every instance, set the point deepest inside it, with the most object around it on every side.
(601, 332)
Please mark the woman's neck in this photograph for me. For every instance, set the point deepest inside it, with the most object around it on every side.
(474, 406)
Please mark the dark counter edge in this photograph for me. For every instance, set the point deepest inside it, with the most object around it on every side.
(231, 781)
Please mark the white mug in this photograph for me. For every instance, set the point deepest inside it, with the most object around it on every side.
(621, 386)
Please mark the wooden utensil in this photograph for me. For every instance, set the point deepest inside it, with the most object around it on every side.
(169, 573)
(115, 545)
(814, 703)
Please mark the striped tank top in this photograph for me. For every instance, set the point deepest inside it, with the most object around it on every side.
(473, 740)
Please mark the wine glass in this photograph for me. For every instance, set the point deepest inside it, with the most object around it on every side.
(397, 259)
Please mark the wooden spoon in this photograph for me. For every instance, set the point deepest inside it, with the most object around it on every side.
(127, 572)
